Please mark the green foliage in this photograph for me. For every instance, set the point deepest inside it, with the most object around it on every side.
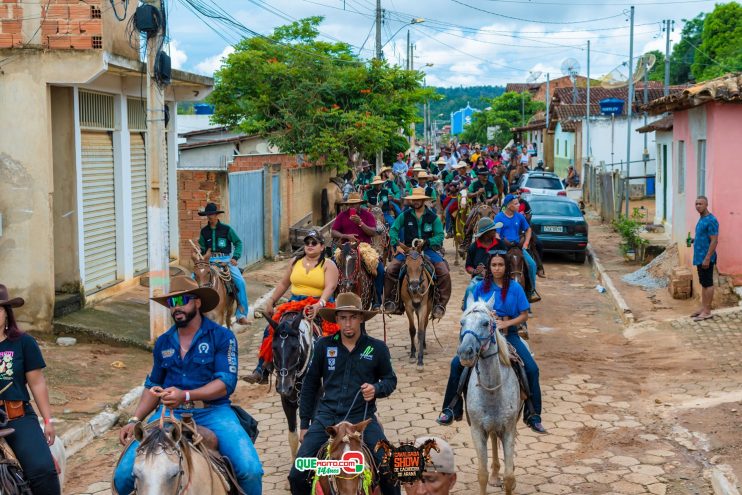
(683, 53)
(505, 113)
(453, 99)
(720, 50)
(315, 97)
(657, 72)
(628, 229)
(186, 108)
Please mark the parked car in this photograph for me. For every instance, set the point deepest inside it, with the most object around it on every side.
(559, 225)
(541, 183)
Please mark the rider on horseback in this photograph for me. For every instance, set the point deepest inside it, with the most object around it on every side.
(365, 176)
(195, 362)
(483, 189)
(21, 366)
(346, 365)
(216, 240)
(359, 225)
(392, 188)
(538, 254)
(418, 222)
(514, 226)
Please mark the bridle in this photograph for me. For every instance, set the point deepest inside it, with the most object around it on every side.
(484, 344)
(178, 450)
(205, 265)
(305, 354)
(424, 275)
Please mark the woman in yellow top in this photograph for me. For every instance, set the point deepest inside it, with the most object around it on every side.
(310, 274)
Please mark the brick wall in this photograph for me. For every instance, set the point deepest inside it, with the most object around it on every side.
(60, 24)
(195, 189)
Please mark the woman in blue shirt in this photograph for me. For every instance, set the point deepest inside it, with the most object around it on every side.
(511, 306)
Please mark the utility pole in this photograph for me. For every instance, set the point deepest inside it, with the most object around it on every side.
(379, 153)
(157, 196)
(667, 55)
(629, 111)
(587, 105)
(408, 50)
(412, 56)
(645, 152)
(546, 131)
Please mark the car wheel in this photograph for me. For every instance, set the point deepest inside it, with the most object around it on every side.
(580, 257)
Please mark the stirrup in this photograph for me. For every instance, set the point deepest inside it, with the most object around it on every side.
(448, 412)
(390, 307)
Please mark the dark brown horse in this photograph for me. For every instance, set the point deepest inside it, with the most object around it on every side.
(517, 264)
(417, 291)
(216, 277)
(354, 276)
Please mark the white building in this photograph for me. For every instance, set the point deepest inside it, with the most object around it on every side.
(660, 140)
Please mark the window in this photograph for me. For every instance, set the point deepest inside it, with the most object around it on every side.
(566, 150)
(557, 142)
(701, 168)
(681, 167)
(540, 182)
(555, 208)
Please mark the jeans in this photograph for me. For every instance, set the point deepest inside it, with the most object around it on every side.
(233, 443)
(397, 209)
(300, 481)
(239, 283)
(388, 218)
(449, 218)
(532, 374)
(30, 447)
(433, 256)
(531, 269)
(379, 283)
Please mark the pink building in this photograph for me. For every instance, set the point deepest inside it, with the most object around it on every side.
(707, 152)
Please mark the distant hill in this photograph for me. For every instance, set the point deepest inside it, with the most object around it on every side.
(455, 98)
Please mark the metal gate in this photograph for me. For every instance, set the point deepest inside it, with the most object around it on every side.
(276, 212)
(99, 210)
(138, 153)
(246, 213)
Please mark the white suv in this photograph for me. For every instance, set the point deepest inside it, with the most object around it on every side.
(541, 183)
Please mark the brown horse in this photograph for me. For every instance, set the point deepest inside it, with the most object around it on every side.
(417, 292)
(498, 175)
(381, 242)
(345, 437)
(517, 264)
(477, 213)
(459, 225)
(207, 274)
(333, 193)
(354, 276)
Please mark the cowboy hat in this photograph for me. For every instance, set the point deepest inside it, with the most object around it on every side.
(377, 181)
(461, 164)
(186, 285)
(417, 168)
(349, 303)
(417, 193)
(354, 198)
(441, 161)
(485, 225)
(482, 171)
(424, 175)
(385, 169)
(5, 300)
(211, 209)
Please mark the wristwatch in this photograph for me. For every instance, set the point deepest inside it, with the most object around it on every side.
(322, 303)
(133, 419)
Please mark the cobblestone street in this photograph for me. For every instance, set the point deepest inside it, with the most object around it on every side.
(610, 398)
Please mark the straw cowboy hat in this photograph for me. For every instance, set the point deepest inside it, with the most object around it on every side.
(211, 209)
(417, 193)
(349, 303)
(417, 168)
(354, 198)
(461, 164)
(6, 300)
(185, 285)
(385, 169)
(377, 181)
(441, 161)
(424, 175)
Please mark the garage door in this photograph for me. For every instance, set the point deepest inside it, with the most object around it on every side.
(99, 210)
(139, 201)
(246, 213)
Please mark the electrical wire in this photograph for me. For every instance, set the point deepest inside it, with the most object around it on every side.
(122, 17)
(601, 4)
(513, 18)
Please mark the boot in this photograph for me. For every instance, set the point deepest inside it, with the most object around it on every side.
(444, 294)
(259, 375)
(390, 293)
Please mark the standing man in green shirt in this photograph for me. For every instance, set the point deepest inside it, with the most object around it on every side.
(216, 242)
(418, 222)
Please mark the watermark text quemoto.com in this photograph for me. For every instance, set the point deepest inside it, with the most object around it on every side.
(350, 463)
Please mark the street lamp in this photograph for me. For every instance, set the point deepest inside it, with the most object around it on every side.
(416, 20)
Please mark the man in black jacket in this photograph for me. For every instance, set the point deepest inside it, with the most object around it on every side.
(354, 370)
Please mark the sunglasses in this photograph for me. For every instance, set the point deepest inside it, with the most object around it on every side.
(182, 300)
(311, 242)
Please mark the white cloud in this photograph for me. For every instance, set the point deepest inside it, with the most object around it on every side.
(178, 57)
(210, 64)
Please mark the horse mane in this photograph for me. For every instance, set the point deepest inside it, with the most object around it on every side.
(480, 306)
(158, 438)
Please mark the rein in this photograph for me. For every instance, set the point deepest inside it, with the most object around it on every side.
(484, 343)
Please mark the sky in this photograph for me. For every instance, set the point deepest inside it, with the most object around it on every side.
(467, 42)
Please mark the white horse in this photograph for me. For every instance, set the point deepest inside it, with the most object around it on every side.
(493, 400)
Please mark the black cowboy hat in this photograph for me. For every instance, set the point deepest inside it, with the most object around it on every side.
(211, 209)
(6, 300)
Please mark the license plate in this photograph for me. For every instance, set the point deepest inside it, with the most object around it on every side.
(553, 228)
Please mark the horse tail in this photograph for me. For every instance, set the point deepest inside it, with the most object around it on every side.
(325, 207)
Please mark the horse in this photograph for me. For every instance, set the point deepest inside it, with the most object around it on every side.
(462, 213)
(493, 399)
(381, 242)
(417, 292)
(208, 275)
(345, 437)
(354, 275)
(167, 462)
(293, 343)
(498, 175)
(477, 212)
(517, 264)
(332, 194)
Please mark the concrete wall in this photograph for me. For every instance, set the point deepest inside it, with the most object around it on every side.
(564, 150)
(64, 199)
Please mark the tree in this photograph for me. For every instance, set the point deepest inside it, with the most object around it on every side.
(683, 53)
(720, 50)
(314, 97)
(657, 72)
(504, 114)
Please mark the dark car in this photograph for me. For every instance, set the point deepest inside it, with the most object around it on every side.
(559, 225)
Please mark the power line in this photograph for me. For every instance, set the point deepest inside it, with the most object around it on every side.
(584, 21)
(601, 4)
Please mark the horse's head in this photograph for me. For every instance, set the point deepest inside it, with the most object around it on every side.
(418, 282)
(348, 265)
(159, 465)
(516, 265)
(347, 437)
(289, 352)
(478, 332)
(202, 272)
(347, 189)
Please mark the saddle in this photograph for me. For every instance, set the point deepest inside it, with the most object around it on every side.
(206, 442)
(225, 274)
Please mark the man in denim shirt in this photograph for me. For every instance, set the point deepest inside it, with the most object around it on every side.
(195, 371)
(704, 256)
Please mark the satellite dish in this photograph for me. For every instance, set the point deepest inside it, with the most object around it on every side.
(570, 67)
(533, 77)
(619, 76)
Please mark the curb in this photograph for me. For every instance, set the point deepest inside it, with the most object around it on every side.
(721, 484)
(80, 436)
(93, 334)
(627, 316)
